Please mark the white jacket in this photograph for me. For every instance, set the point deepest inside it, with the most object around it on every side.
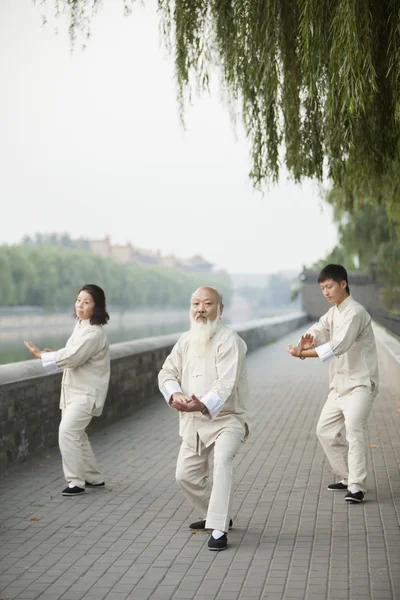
(86, 364)
(218, 379)
(344, 337)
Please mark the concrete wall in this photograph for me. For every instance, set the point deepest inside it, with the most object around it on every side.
(389, 360)
(29, 413)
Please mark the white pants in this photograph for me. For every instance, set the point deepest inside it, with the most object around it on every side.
(79, 462)
(342, 431)
(192, 475)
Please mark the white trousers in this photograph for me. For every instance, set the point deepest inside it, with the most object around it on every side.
(78, 460)
(342, 431)
(192, 472)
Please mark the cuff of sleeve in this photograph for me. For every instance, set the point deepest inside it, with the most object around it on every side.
(213, 403)
(325, 352)
(170, 387)
(49, 363)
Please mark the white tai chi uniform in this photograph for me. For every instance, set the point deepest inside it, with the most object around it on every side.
(344, 337)
(86, 364)
(218, 378)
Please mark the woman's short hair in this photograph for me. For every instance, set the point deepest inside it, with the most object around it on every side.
(100, 315)
(336, 272)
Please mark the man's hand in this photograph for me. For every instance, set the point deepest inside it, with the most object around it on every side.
(178, 400)
(194, 405)
(306, 342)
(48, 350)
(33, 349)
(183, 403)
(294, 350)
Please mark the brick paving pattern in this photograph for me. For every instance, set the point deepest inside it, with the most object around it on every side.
(292, 539)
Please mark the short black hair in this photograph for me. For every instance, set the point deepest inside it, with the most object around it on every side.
(100, 315)
(336, 272)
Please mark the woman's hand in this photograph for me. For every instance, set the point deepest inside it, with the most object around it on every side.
(33, 349)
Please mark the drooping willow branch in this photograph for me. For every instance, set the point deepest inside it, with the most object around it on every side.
(318, 78)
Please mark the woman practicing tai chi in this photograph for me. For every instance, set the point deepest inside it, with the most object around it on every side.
(85, 362)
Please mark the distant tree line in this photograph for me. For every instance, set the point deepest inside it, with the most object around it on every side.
(54, 239)
(368, 243)
(50, 276)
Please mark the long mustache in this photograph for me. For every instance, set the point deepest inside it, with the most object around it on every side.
(203, 315)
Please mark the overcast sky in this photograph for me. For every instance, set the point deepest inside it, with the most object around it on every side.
(91, 144)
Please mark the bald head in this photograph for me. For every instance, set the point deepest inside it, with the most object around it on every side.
(207, 290)
(206, 303)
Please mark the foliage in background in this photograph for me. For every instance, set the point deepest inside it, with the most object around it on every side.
(50, 276)
(54, 239)
(319, 80)
(368, 242)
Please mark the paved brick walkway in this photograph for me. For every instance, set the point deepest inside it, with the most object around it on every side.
(292, 539)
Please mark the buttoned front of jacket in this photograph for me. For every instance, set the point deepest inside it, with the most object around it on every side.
(344, 336)
(218, 378)
(85, 361)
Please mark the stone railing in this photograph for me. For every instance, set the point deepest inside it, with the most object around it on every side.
(29, 400)
(389, 360)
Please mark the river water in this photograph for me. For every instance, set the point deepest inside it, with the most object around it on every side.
(52, 330)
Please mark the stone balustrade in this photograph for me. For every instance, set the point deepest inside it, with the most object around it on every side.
(29, 399)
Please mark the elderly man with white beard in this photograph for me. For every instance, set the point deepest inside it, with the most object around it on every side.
(205, 380)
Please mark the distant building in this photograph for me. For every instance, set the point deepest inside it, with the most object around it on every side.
(169, 260)
(128, 254)
(146, 257)
(101, 247)
(122, 254)
(198, 263)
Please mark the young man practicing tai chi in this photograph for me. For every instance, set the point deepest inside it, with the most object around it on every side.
(344, 337)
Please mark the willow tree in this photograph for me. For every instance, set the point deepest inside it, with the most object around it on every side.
(317, 82)
(368, 242)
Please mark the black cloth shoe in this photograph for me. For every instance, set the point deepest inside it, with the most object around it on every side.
(96, 485)
(219, 544)
(74, 491)
(337, 487)
(201, 525)
(355, 498)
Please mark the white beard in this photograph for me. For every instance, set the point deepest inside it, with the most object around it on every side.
(201, 333)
